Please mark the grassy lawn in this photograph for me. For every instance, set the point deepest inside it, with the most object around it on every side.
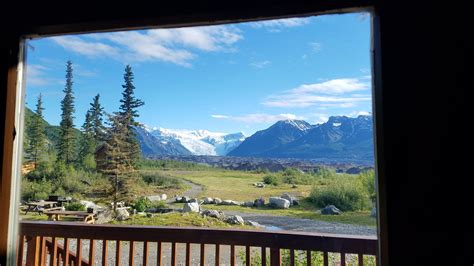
(180, 220)
(235, 185)
(238, 185)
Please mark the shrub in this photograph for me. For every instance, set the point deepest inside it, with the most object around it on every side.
(141, 204)
(35, 190)
(367, 179)
(347, 194)
(271, 180)
(75, 206)
(162, 181)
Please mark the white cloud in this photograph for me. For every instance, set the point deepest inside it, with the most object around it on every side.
(258, 118)
(261, 64)
(169, 45)
(83, 47)
(357, 113)
(220, 116)
(323, 93)
(36, 76)
(321, 118)
(316, 47)
(334, 86)
(277, 24)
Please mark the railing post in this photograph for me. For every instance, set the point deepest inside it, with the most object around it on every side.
(275, 258)
(33, 251)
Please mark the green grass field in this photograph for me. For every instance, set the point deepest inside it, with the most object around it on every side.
(238, 185)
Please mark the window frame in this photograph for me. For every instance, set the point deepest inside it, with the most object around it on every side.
(11, 164)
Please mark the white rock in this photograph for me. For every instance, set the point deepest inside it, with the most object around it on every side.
(235, 219)
(191, 207)
(279, 203)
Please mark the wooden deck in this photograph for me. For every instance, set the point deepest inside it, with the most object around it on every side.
(41, 242)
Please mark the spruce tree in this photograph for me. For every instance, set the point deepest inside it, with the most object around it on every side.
(116, 162)
(37, 150)
(66, 144)
(97, 112)
(128, 110)
(129, 103)
(88, 144)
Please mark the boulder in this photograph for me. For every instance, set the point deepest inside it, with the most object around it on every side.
(373, 212)
(178, 199)
(90, 204)
(230, 202)
(122, 214)
(213, 213)
(217, 201)
(185, 199)
(164, 197)
(192, 200)
(235, 219)
(191, 207)
(154, 198)
(260, 202)
(279, 203)
(248, 204)
(296, 202)
(330, 210)
(104, 216)
(259, 185)
(252, 223)
(208, 201)
(288, 197)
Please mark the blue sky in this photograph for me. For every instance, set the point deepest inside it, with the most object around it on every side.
(226, 78)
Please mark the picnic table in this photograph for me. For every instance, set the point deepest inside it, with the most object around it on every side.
(55, 215)
(41, 206)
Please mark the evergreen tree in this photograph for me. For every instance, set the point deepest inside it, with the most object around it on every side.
(97, 112)
(129, 103)
(37, 145)
(116, 161)
(88, 144)
(66, 144)
(128, 110)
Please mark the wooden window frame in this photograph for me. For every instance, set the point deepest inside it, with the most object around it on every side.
(13, 124)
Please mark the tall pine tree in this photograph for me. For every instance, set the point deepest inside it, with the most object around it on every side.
(66, 144)
(97, 113)
(128, 110)
(37, 150)
(116, 161)
(88, 144)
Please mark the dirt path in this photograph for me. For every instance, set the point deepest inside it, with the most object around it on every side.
(273, 222)
(193, 192)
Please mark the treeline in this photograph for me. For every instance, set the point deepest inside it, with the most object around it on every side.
(106, 146)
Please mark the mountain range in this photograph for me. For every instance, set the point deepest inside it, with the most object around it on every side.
(341, 138)
(162, 141)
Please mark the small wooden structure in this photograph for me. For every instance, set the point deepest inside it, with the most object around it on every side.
(86, 217)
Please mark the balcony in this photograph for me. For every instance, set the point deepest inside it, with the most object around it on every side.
(56, 243)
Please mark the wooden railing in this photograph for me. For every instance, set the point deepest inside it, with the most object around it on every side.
(62, 243)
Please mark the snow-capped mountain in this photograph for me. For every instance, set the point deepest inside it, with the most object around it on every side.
(200, 142)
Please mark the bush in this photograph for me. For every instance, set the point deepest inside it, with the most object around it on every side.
(271, 180)
(367, 179)
(162, 181)
(75, 206)
(35, 190)
(347, 194)
(141, 204)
